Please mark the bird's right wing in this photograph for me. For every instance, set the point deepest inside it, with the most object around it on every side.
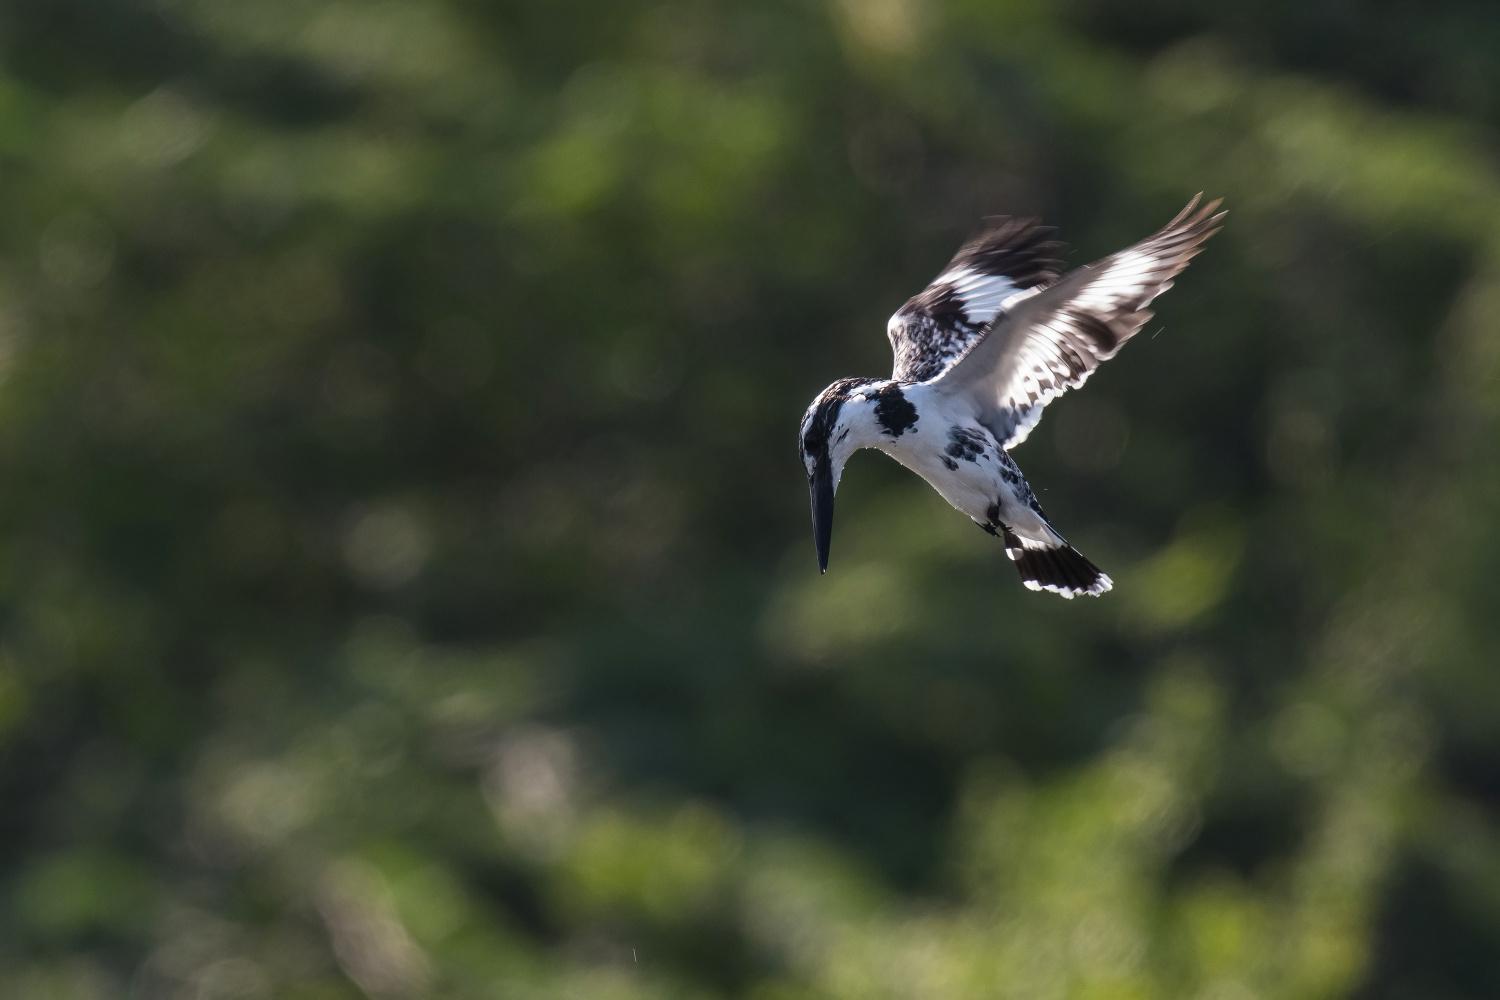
(1050, 342)
(1006, 258)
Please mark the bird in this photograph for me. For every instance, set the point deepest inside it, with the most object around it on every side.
(979, 353)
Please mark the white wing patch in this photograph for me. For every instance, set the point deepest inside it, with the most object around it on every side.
(1122, 278)
(983, 295)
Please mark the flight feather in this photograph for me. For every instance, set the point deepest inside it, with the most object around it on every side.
(1051, 341)
(935, 327)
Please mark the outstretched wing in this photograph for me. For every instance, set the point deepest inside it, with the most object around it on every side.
(1007, 258)
(1052, 341)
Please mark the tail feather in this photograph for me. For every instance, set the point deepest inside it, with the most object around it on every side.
(1059, 568)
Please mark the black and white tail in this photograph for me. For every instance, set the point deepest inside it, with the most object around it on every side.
(1056, 566)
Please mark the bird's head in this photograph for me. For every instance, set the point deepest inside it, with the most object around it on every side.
(840, 421)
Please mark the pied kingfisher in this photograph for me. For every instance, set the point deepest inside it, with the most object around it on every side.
(995, 338)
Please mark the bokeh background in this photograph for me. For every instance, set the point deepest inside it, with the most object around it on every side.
(406, 581)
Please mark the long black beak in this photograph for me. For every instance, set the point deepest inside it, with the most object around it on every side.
(821, 487)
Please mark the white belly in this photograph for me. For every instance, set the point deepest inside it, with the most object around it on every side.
(967, 467)
(970, 486)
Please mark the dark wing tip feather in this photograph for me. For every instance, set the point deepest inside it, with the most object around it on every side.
(1179, 241)
(1018, 248)
(1192, 226)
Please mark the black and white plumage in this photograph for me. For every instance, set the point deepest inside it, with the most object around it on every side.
(978, 354)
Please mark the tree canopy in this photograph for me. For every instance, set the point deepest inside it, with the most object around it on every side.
(406, 585)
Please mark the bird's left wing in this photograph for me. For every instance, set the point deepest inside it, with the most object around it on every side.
(1052, 341)
(1007, 258)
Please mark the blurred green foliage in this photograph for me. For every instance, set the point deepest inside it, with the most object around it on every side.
(405, 581)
